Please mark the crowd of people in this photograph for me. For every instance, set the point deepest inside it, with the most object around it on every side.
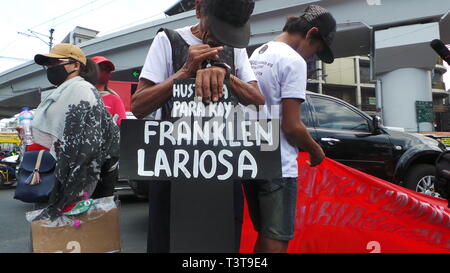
(78, 121)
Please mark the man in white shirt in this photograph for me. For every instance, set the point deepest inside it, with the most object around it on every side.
(280, 67)
(221, 23)
(219, 39)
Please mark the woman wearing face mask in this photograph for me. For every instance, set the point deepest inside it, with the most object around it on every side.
(111, 99)
(113, 103)
(72, 123)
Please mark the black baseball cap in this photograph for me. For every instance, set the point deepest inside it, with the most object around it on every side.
(228, 20)
(321, 18)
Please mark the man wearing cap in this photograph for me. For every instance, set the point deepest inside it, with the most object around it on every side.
(112, 100)
(281, 69)
(211, 51)
(221, 36)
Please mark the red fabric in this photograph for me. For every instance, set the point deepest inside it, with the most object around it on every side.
(69, 207)
(124, 89)
(35, 147)
(115, 106)
(342, 210)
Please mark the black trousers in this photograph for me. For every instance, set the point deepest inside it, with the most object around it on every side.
(158, 240)
(108, 180)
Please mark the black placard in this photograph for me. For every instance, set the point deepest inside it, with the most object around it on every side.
(213, 142)
(204, 150)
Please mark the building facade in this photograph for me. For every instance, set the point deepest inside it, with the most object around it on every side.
(350, 79)
(399, 57)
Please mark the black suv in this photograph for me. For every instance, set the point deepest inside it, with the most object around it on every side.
(355, 139)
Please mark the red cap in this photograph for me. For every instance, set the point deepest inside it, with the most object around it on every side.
(101, 59)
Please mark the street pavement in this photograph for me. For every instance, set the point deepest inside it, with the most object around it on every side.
(15, 230)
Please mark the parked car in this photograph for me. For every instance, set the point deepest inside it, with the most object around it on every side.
(357, 140)
(443, 137)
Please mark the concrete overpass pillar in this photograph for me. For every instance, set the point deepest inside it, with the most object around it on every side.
(401, 89)
(403, 63)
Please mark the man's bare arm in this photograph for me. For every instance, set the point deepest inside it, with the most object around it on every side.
(149, 96)
(209, 86)
(296, 132)
(248, 93)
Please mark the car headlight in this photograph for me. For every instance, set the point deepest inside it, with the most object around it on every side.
(445, 141)
(427, 140)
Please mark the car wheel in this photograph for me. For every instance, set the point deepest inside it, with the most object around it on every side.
(420, 178)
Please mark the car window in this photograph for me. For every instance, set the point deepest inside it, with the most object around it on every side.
(305, 114)
(333, 115)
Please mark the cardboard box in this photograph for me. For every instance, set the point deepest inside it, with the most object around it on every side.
(98, 233)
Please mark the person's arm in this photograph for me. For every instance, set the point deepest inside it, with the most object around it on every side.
(296, 132)
(34, 146)
(209, 86)
(120, 110)
(149, 96)
(248, 93)
(245, 83)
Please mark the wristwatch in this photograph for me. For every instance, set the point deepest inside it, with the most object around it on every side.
(219, 63)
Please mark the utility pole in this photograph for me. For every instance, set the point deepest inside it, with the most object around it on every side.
(51, 38)
(34, 34)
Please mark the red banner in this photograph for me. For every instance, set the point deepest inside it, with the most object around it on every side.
(342, 210)
(123, 89)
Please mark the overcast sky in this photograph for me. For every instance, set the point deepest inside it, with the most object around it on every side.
(106, 16)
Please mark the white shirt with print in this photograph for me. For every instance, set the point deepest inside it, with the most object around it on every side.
(281, 74)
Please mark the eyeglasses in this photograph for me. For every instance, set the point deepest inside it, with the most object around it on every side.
(57, 62)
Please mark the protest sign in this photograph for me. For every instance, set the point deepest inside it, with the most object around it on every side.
(203, 151)
(200, 142)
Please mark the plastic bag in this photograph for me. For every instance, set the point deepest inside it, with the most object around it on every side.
(104, 204)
